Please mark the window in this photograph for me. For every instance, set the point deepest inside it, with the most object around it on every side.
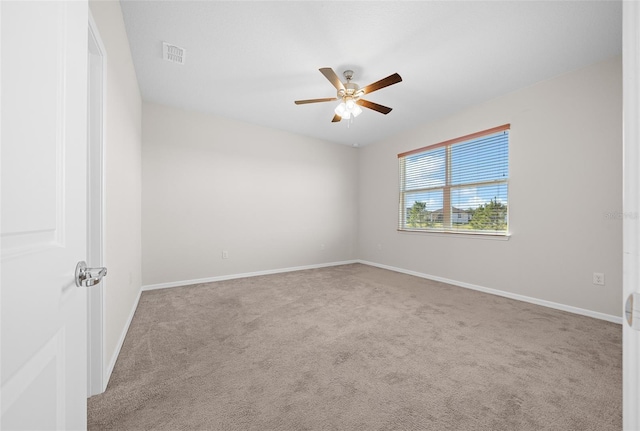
(457, 186)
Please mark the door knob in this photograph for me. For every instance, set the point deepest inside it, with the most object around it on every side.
(632, 310)
(88, 276)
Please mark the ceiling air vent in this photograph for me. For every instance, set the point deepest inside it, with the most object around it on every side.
(173, 53)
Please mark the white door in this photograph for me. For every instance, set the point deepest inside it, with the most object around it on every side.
(43, 233)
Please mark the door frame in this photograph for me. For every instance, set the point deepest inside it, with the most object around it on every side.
(631, 209)
(97, 68)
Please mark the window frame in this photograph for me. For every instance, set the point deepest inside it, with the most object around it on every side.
(447, 211)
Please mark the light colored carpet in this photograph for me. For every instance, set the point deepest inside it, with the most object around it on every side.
(358, 348)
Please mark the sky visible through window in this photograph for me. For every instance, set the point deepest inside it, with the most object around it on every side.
(469, 165)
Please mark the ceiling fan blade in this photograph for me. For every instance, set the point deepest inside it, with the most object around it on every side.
(327, 99)
(332, 77)
(336, 118)
(380, 108)
(384, 82)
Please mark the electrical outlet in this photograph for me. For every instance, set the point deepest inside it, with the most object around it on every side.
(225, 254)
(598, 278)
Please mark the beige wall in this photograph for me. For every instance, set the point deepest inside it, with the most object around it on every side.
(122, 175)
(565, 182)
(271, 199)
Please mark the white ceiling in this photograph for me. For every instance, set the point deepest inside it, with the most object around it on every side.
(250, 60)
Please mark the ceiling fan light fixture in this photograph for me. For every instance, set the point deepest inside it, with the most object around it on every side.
(350, 104)
(348, 108)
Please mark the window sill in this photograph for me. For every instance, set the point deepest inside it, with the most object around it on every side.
(456, 234)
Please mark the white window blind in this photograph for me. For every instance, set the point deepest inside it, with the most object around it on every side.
(458, 186)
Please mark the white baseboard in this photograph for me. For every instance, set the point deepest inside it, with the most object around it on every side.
(518, 297)
(555, 305)
(243, 275)
(116, 353)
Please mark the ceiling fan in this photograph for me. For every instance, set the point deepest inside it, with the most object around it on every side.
(351, 94)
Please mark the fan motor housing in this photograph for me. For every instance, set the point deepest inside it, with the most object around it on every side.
(350, 89)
